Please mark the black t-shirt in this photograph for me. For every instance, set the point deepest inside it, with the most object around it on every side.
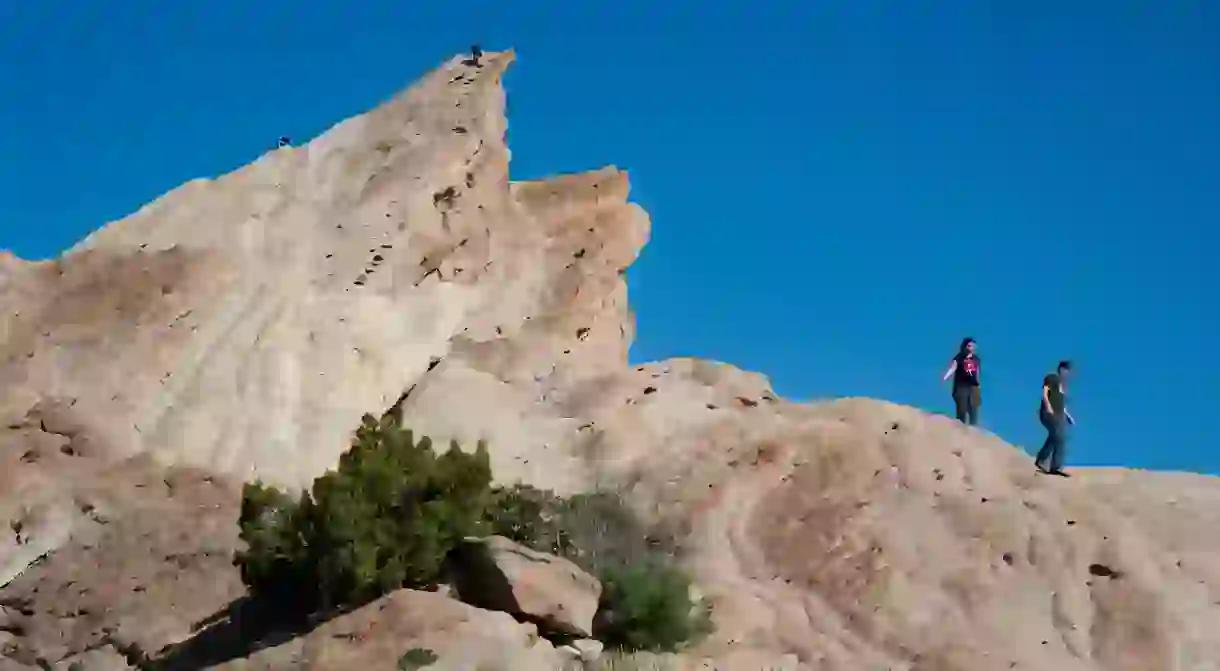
(967, 372)
(1054, 393)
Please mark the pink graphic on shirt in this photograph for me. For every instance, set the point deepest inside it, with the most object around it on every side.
(971, 366)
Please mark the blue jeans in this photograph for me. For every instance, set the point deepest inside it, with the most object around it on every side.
(1056, 441)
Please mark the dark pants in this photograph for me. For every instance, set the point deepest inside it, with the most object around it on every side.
(1050, 457)
(967, 399)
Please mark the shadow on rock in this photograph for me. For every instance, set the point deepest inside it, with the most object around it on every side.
(246, 626)
(478, 581)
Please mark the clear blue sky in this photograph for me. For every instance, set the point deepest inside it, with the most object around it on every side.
(839, 190)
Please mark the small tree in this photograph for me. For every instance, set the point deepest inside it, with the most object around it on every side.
(385, 519)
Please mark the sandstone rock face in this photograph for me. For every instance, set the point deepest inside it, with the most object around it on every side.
(377, 636)
(866, 535)
(240, 327)
(244, 324)
(498, 574)
(149, 560)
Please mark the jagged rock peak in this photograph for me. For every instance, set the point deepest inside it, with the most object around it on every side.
(245, 323)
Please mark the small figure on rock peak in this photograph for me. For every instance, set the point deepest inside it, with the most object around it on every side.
(475, 54)
(284, 141)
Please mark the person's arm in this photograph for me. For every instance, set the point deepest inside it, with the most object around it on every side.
(1046, 399)
(951, 371)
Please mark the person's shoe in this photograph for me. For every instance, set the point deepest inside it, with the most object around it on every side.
(1038, 467)
(1060, 473)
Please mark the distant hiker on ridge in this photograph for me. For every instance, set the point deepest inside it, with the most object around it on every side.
(964, 368)
(283, 142)
(475, 54)
(1054, 415)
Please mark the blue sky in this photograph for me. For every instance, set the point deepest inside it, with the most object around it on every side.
(839, 191)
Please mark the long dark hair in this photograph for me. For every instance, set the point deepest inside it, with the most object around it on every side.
(965, 342)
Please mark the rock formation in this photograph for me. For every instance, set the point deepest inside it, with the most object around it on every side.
(238, 328)
(499, 574)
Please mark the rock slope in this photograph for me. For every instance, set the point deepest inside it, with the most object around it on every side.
(239, 328)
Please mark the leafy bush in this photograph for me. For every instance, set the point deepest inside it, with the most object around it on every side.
(416, 658)
(594, 531)
(274, 562)
(647, 606)
(602, 532)
(529, 516)
(394, 508)
(385, 519)
(646, 603)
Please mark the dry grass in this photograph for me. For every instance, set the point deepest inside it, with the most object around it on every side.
(637, 661)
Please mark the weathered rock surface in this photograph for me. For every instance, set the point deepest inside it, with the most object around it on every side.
(375, 637)
(150, 560)
(589, 649)
(498, 574)
(240, 327)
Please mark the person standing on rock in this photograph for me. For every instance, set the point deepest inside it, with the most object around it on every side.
(964, 369)
(1055, 418)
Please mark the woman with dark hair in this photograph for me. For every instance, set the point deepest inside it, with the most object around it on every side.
(964, 369)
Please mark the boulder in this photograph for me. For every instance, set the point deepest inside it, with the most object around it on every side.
(590, 649)
(498, 574)
(378, 635)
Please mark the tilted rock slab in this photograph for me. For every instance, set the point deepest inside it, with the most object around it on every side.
(246, 323)
(243, 325)
(498, 574)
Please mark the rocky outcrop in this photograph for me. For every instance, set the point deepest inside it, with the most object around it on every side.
(246, 323)
(498, 574)
(240, 327)
(151, 559)
(861, 533)
(376, 638)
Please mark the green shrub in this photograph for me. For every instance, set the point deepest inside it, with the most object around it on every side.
(602, 532)
(528, 516)
(594, 531)
(385, 519)
(274, 559)
(647, 606)
(416, 658)
(645, 602)
(392, 511)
